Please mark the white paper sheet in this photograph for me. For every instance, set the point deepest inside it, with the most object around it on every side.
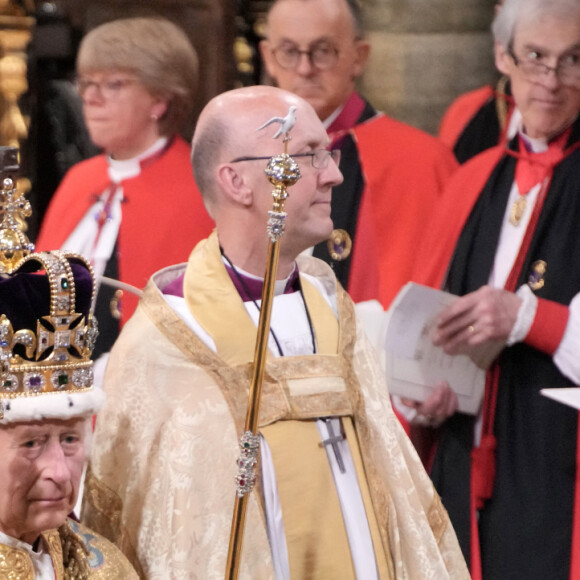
(415, 365)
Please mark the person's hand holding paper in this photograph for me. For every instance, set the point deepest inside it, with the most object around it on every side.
(488, 314)
(431, 358)
(436, 408)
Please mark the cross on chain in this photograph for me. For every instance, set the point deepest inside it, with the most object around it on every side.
(333, 440)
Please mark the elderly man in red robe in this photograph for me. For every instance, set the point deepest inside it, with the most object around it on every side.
(506, 240)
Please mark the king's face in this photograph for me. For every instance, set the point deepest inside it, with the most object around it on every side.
(42, 464)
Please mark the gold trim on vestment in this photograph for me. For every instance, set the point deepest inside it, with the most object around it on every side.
(103, 507)
(437, 517)
(15, 564)
(383, 556)
(213, 300)
(54, 544)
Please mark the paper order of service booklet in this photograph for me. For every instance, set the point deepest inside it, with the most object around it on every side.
(415, 366)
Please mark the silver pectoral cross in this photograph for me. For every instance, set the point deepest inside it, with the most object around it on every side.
(333, 440)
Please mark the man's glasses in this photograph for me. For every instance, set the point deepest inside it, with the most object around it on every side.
(108, 89)
(567, 68)
(321, 56)
(319, 157)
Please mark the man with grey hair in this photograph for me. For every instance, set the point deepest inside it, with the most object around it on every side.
(512, 251)
(393, 173)
(340, 491)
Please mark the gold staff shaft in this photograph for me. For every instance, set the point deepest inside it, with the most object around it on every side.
(241, 503)
(282, 171)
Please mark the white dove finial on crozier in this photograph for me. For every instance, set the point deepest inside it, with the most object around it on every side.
(282, 172)
(286, 124)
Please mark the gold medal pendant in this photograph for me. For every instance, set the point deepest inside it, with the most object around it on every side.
(339, 245)
(536, 279)
(517, 210)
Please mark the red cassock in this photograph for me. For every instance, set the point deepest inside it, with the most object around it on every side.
(461, 112)
(405, 171)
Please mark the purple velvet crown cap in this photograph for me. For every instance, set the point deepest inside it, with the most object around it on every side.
(56, 380)
(25, 296)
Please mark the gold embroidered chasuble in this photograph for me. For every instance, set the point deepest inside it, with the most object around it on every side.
(88, 556)
(166, 443)
(316, 537)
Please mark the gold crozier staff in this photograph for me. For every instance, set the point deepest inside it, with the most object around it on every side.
(282, 172)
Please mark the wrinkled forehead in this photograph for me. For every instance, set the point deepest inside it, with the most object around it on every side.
(24, 429)
(309, 134)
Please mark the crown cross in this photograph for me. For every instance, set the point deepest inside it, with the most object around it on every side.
(65, 335)
(14, 245)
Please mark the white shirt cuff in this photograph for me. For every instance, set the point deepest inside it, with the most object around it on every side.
(526, 314)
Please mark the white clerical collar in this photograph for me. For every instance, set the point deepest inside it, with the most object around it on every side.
(127, 168)
(515, 122)
(329, 120)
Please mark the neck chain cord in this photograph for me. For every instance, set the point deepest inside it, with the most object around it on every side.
(240, 279)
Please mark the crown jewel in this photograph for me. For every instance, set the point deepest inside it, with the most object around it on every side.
(14, 245)
(55, 355)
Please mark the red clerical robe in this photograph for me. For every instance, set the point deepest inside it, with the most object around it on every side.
(461, 112)
(477, 120)
(163, 216)
(404, 172)
(393, 174)
(529, 527)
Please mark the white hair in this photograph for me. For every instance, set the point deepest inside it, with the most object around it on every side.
(514, 12)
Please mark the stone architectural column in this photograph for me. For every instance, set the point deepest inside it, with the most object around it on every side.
(424, 54)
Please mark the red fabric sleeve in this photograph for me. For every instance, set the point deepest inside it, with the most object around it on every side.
(548, 327)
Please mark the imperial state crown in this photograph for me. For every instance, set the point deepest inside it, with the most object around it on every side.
(47, 329)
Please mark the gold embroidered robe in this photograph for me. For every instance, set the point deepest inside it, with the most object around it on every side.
(167, 440)
(76, 553)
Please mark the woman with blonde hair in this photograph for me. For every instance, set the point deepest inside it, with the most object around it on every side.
(135, 208)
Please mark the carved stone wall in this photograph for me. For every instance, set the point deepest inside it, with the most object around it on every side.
(425, 53)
